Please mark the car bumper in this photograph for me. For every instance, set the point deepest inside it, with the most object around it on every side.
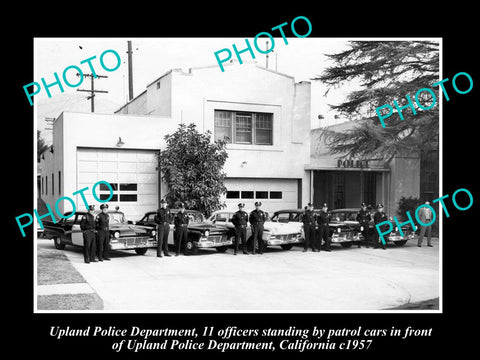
(343, 239)
(132, 243)
(202, 244)
(274, 242)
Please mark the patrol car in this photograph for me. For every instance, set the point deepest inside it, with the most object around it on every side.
(274, 233)
(201, 233)
(124, 235)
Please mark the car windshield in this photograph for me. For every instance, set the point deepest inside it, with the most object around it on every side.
(195, 217)
(117, 218)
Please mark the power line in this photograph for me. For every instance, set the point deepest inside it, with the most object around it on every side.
(92, 90)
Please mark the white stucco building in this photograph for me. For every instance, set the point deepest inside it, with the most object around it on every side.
(264, 114)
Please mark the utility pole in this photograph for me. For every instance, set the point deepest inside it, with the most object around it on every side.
(266, 49)
(130, 71)
(92, 90)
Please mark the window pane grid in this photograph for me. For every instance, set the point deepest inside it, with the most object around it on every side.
(243, 127)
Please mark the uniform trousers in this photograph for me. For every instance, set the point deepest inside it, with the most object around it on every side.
(89, 245)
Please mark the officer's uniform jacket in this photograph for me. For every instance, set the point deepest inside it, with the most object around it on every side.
(240, 219)
(181, 219)
(87, 222)
(308, 218)
(163, 217)
(257, 217)
(323, 218)
(363, 217)
(380, 217)
(102, 221)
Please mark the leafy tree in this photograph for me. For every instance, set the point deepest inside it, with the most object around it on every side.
(191, 166)
(386, 71)
(41, 145)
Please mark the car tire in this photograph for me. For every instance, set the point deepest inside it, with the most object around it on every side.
(286, 246)
(400, 243)
(346, 244)
(141, 251)
(190, 248)
(58, 243)
(222, 249)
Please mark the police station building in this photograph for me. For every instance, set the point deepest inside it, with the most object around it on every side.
(273, 154)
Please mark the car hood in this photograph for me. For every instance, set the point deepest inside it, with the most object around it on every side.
(206, 226)
(282, 228)
(130, 230)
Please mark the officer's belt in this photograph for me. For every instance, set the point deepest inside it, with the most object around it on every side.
(183, 225)
(104, 228)
(241, 226)
(164, 223)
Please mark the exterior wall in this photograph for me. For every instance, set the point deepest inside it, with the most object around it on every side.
(159, 100)
(89, 130)
(137, 106)
(246, 87)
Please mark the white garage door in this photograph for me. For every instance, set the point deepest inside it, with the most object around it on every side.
(131, 174)
(275, 194)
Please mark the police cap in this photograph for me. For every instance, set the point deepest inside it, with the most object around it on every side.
(363, 205)
(181, 205)
(379, 206)
(103, 206)
(163, 201)
(91, 207)
(241, 205)
(324, 205)
(258, 203)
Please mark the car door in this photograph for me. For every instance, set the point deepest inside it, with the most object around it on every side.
(77, 234)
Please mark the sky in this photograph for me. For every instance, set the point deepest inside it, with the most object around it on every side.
(303, 58)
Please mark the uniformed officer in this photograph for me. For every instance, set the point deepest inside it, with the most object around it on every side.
(181, 228)
(240, 221)
(308, 220)
(379, 217)
(103, 233)
(87, 225)
(363, 218)
(257, 218)
(323, 221)
(162, 219)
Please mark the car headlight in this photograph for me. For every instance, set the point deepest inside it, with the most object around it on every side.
(116, 234)
(154, 233)
(396, 228)
(361, 228)
(206, 233)
(339, 230)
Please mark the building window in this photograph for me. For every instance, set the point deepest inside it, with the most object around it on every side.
(247, 194)
(233, 194)
(42, 184)
(261, 194)
(275, 194)
(243, 127)
(223, 125)
(59, 182)
(53, 184)
(158, 84)
(123, 192)
(46, 185)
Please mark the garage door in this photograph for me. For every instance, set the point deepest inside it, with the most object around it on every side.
(275, 194)
(131, 174)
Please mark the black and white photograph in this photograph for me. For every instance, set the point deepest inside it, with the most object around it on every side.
(248, 181)
(210, 183)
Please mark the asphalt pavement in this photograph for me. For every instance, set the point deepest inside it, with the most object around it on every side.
(351, 279)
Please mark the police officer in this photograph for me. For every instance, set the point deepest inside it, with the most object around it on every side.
(308, 220)
(323, 220)
(379, 217)
(257, 218)
(103, 233)
(240, 221)
(363, 218)
(87, 225)
(162, 219)
(181, 227)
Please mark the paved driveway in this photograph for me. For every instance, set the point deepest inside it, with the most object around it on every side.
(342, 280)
